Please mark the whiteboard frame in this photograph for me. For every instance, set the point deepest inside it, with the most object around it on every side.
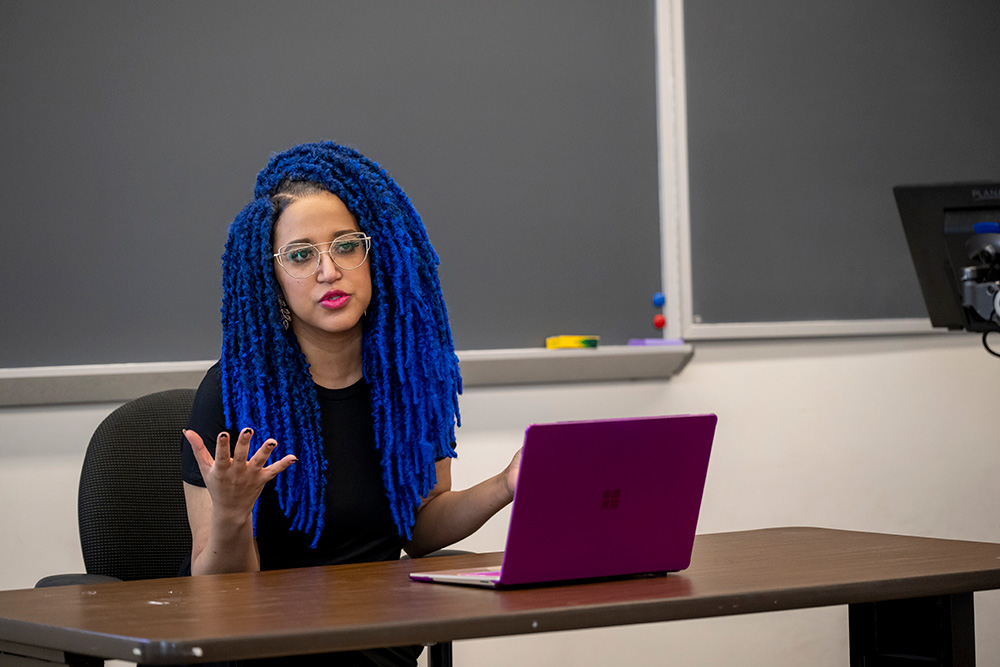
(675, 214)
(116, 383)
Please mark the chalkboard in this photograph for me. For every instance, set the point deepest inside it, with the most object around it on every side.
(131, 133)
(802, 116)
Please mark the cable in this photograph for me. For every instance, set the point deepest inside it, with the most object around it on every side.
(987, 345)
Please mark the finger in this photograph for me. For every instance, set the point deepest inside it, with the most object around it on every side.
(201, 453)
(277, 467)
(261, 456)
(242, 451)
(222, 449)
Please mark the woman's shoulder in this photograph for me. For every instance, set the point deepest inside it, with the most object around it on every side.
(208, 397)
(212, 381)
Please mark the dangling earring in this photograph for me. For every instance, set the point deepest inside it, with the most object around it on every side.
(286, 315)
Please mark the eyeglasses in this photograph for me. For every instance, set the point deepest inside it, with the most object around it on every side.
(301, 260)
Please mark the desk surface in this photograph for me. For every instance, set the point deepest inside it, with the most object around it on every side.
(375, 604)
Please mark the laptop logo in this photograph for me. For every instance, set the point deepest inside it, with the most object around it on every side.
(609, 501)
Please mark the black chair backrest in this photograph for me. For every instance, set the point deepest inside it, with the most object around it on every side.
(133, 521)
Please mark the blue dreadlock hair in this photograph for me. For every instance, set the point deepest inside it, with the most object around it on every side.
(409, 358)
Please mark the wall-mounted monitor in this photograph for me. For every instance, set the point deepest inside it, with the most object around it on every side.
(953, 231)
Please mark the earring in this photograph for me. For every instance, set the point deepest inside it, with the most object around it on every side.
(286, 315)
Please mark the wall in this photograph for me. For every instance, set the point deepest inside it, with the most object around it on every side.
(884, 434)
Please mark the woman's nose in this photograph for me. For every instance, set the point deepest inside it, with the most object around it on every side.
(328, 269)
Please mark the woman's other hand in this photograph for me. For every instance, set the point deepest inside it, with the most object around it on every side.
(511, 473)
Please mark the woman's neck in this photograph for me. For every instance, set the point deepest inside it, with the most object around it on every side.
(334, 359)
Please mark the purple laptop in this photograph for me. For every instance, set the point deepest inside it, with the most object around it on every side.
(601, 498)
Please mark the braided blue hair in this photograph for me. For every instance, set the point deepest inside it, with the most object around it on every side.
(408, 354)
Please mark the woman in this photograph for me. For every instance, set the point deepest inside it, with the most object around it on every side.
(338, 367)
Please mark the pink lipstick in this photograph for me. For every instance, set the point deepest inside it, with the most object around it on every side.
(334, 299)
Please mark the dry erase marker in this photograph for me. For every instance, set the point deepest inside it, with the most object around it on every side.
(564, 342)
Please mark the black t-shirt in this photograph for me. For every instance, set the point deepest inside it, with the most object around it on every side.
(358, 522)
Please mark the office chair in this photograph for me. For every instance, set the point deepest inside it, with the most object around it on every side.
(130, 508)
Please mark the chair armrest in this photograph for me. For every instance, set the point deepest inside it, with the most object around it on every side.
(448, 552)
(441, 552)
(71, 579)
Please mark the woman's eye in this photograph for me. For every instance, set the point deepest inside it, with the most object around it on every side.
(299, 255)
(346, 247)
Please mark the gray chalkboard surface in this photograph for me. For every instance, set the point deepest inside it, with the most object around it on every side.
(131, 133)
(802, 116)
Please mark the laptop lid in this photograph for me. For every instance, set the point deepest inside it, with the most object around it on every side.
(604, 498)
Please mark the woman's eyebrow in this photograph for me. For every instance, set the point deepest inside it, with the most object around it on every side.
(335, 235)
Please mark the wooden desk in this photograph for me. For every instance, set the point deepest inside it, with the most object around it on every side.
(906, 595)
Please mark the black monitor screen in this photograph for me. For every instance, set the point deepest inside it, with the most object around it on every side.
(953, 231)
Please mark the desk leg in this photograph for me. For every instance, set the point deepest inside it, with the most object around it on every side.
(439, 655)
(930, 632)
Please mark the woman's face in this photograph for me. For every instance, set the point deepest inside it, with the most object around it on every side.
(332, 300)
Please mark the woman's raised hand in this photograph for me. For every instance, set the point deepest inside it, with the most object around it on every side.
(235, 481)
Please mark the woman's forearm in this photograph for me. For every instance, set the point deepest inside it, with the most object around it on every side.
(454, 515)
(220, 542)
(230, 547)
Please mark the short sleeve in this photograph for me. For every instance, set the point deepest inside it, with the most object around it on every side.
(450, 453)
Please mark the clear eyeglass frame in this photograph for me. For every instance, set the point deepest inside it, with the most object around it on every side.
(347, 262)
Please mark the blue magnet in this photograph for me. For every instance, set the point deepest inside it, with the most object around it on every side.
(659, 299)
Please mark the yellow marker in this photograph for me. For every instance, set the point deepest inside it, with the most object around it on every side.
(562, 342)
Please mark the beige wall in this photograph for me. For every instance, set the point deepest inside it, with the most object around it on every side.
(894, 434)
